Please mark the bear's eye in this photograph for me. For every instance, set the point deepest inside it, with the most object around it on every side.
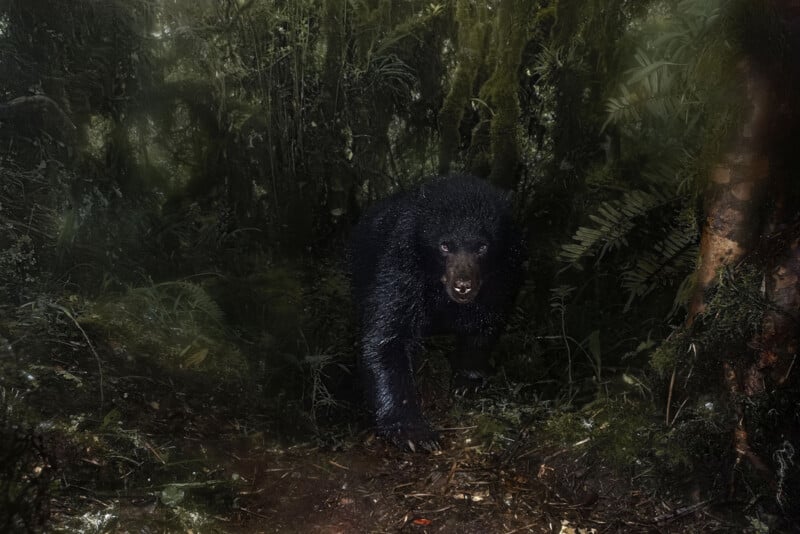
(483, 249)
(444, 247)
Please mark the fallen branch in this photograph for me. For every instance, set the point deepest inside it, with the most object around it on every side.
(18, 106)
(66, 312)
(680, 512)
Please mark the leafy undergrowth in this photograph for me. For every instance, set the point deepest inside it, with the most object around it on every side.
(171, 448)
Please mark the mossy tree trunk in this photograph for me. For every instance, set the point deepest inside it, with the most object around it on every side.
(330, 160)
(496, 44)
(755, 178)
(472, 32)
(500, 91)
(568, 136)
(735, 186)
(731, 228)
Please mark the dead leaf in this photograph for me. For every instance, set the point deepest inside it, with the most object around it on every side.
(195, 359)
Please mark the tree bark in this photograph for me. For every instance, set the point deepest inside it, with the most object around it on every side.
(500, 91)
(472, 29)
(753, 175)
(733, 197)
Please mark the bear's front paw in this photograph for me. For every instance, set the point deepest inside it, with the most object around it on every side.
(468, 382)
(414, 436)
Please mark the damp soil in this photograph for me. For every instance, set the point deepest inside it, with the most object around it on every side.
(171, 451)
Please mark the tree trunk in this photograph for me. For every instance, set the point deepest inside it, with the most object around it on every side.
(500, 91)
(754, 178)
(472, 30)
(734, 193)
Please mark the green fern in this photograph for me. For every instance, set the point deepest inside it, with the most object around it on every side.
(613, 222)
(389, 72)
(662, 85)
(176, 303)
(650, 90)
(668, 261)
(661, 112)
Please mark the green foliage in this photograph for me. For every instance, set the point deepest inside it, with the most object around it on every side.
(266, 305)
(614, 221)
(176, 323)
(31, 217)
(25, 475)
(177, 302)
(670, 354)
(472, 32)
(682, 57)
(488, 429)
(668, 262)
(655, 98)
(328, 310)
(619, 431)
(636, 219)
(628, 438)
(669, 109)
(299, 320)
(735, 307)
(18, 262)
(566, 427)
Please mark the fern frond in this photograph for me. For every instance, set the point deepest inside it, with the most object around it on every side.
(613, 221)
(391, 73)
(669, 261)
(175, 302)
(660, 86)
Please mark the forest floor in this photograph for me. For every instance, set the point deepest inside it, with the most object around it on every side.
(175, 452)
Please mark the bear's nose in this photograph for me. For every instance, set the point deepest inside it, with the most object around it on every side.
(462, 287)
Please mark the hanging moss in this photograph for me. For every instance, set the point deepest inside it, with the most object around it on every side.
(472, 29)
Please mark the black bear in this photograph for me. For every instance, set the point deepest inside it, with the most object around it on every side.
(443, 258)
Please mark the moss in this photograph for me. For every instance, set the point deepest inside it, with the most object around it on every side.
(25, 473)
(488, 428)
(472, 29)
(176, 323)
(623, 432)
(670, 449)
(500, 91)
(733, 315)
(268, 301)
(566, 427)
(669, 354)
(619, 431)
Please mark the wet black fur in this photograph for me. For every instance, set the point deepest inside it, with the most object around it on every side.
(397, 268)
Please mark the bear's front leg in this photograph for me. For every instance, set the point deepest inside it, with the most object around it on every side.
(388, 376)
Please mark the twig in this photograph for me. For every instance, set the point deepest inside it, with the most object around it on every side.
(789, 370)
(520, 529)
(17, 106)
(155, 452)
(66, 312)
(669, 395)
(680, 512)
(678, 411)
(262, 516)
(450, 476)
